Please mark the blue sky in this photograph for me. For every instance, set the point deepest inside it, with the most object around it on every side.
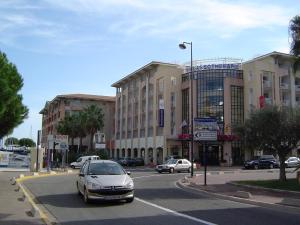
(83, 46)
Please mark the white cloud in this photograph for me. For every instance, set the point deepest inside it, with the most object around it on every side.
(132, 18)
(173, 16)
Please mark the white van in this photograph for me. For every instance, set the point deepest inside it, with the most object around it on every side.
(81, 160)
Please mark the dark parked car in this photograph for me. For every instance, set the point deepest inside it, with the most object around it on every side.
(260, 162)
(139, 161)
(126, 161)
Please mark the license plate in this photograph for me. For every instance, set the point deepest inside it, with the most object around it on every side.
(113, 197)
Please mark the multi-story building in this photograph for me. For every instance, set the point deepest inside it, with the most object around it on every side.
(64, 105)
(217, 93)
(148, 113)
(269, 80)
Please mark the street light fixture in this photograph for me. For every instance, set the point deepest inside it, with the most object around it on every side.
(183, 46)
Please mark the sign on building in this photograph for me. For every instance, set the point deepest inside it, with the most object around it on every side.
(205, 129)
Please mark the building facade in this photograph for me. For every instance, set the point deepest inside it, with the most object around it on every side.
(64, 105)
(218, 94)
(270, 80)
(153, 105)
(148, 113)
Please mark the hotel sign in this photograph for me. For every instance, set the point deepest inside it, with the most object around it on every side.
(234, 66)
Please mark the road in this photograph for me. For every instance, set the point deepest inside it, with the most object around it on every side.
(158, 202)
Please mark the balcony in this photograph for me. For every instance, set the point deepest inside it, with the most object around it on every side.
(267, 84)
(284, 86)
(268, 101)
(286, 102)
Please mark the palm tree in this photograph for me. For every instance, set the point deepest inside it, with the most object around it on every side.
(67, 126)
(294, 31)
(93, 121)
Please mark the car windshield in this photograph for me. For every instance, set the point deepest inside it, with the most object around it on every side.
(79, 160)
(105, 169)
(171, 161)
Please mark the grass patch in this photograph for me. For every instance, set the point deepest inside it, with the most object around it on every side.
(290, 184)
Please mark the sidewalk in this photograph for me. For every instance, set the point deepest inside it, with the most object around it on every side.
(14, 211)
(223, 187)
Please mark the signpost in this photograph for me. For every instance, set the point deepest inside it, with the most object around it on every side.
(205, 129)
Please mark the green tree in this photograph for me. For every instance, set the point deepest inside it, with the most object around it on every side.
(294, 30)
(93, 121)
(67, 126)
(73, 126)
(27, 142)
(273, 129)
(11, 141)
(12, 111)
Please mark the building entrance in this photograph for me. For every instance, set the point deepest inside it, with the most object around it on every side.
(212, 154)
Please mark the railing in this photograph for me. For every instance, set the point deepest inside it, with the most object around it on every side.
(267, 83)
(284, 86)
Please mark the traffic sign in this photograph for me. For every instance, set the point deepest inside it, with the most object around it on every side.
(205, 129)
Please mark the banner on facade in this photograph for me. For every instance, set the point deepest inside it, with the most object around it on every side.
(161, 113)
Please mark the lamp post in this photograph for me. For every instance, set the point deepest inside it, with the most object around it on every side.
(183, 46)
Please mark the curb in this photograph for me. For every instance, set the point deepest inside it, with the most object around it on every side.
(264, 189)
(185, 185)
(35, 209)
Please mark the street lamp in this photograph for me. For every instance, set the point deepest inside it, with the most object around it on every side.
(183, 46)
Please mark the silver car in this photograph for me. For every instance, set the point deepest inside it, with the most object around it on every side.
(104, 180)
(292, 162)
(173, 165)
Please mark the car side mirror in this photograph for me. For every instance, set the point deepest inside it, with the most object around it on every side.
(128, 173)
(81, 174)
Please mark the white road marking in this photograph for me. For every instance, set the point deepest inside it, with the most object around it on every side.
(174, 212)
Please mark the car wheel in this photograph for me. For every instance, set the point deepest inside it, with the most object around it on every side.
(256, 167)
(78, 191)
(189, 170)
(171, 170)
(159, 171)
(129, 200)
(271, 166)
(73, 167)
(86, 196)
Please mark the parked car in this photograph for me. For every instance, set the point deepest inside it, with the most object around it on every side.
(292, 162)
(172, 157)
(173, 165)
(139, 161)
(81, 160)
(126, 161)
(104, 180)
(260, 162)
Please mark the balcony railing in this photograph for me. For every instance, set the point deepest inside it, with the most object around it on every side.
(286, 102)
(268, 101)
(284, 86)
(267, 83)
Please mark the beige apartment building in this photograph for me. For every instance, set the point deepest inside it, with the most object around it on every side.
(269, 80)
(148, 113)
(63, 105)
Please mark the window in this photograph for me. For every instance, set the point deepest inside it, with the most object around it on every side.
(250, 76)
(173, 81)
(160, 85)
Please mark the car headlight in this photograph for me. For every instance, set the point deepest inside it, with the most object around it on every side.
(129, 185)
(92, 185)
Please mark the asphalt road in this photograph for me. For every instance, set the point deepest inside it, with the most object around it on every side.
(158, 202)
